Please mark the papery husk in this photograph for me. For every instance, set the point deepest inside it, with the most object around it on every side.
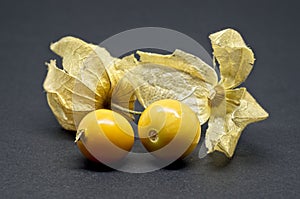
(66, 102)
(180, 76)
(83, 84)
(234, 57)
(231, 109)
(229, 117)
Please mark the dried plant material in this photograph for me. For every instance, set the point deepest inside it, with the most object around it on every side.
(123, 99)
(66, 102)
(86, 62)
(180, 76)
(234, 57)
(82, 86)
(123, 94)
(228, 119)
(231, 109)
(184, 62)
(120, 68)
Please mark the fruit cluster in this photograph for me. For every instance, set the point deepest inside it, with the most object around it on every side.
(91, 79)
(168, 129)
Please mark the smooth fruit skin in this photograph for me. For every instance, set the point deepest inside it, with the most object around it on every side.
(104, 136)
(169, 129)
(85, 152)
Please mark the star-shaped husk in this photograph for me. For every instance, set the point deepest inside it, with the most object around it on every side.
(232, 108)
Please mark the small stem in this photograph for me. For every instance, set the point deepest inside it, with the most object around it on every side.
(125, 109)
(78, 136)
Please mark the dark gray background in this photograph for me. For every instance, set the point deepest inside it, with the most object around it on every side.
(39, 159)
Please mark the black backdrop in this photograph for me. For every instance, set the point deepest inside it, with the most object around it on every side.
(39, 159)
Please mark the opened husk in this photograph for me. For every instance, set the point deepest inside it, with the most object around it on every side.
(180, 76)
(232, 109)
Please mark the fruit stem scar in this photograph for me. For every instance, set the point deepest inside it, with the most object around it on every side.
(79, 134)
(153, 135)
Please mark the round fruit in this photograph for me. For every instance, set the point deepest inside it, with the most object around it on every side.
(169, 129)
(105, 136)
